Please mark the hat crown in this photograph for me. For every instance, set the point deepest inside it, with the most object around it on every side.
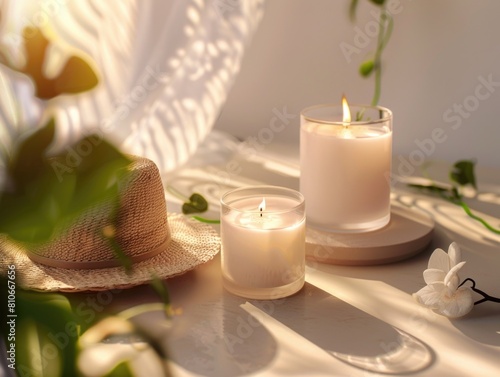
(140, 225)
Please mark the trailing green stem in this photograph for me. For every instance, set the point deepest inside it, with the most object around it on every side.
(207, 221)
(386, 25)
(177, 193)
(452, 196)
(477, 218)
(461, 174)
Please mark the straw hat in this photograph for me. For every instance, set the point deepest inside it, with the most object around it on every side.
(80, 259)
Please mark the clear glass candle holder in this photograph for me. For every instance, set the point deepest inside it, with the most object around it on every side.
(345, 167)
(263, 241)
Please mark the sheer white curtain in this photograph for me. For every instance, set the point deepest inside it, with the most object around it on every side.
(164, 67)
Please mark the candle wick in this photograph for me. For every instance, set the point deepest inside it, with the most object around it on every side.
(260, 212)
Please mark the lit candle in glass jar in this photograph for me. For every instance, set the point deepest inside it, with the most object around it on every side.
(263, 241)
(345, 166)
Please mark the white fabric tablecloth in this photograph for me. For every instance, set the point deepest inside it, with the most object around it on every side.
(346, 321)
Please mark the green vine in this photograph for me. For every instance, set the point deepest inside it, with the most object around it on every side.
(206, 221)
(373, 66)
(462, 174)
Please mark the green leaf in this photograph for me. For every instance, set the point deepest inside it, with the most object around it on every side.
(44, 322)
(121, 370)
(450, 194)
(160, 288)
(366, 68)
(378, 2)
(196, 204)
(463, 173)
(98, 185)
(123, 258)
(431, 188)
(101, 151)
(98, 174)
(54, 198)
(33, 217)
(29, 161)
(44, 194)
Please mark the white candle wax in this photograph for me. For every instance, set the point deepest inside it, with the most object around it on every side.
(262, 249)
(345, 175)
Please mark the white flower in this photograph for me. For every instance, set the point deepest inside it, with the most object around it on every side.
(98, 358)
(442, 293)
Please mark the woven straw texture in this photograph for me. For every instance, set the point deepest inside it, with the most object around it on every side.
(141, 224)
(168, 244)
(192, 244)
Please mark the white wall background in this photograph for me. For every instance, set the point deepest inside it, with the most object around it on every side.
(434, 60)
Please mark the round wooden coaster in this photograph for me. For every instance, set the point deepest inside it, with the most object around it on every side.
(408, 232)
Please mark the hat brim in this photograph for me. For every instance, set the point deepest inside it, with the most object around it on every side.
(193, 243)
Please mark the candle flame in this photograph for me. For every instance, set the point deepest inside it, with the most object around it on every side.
(262, 205)
(346, 113)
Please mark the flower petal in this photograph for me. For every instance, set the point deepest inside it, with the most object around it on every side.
(454, 254)
(430, 295)
(439, 260)
(432, 275)
(105, 328)
(458, 305)
(452, 280)
(100, 359)
(147, 364)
